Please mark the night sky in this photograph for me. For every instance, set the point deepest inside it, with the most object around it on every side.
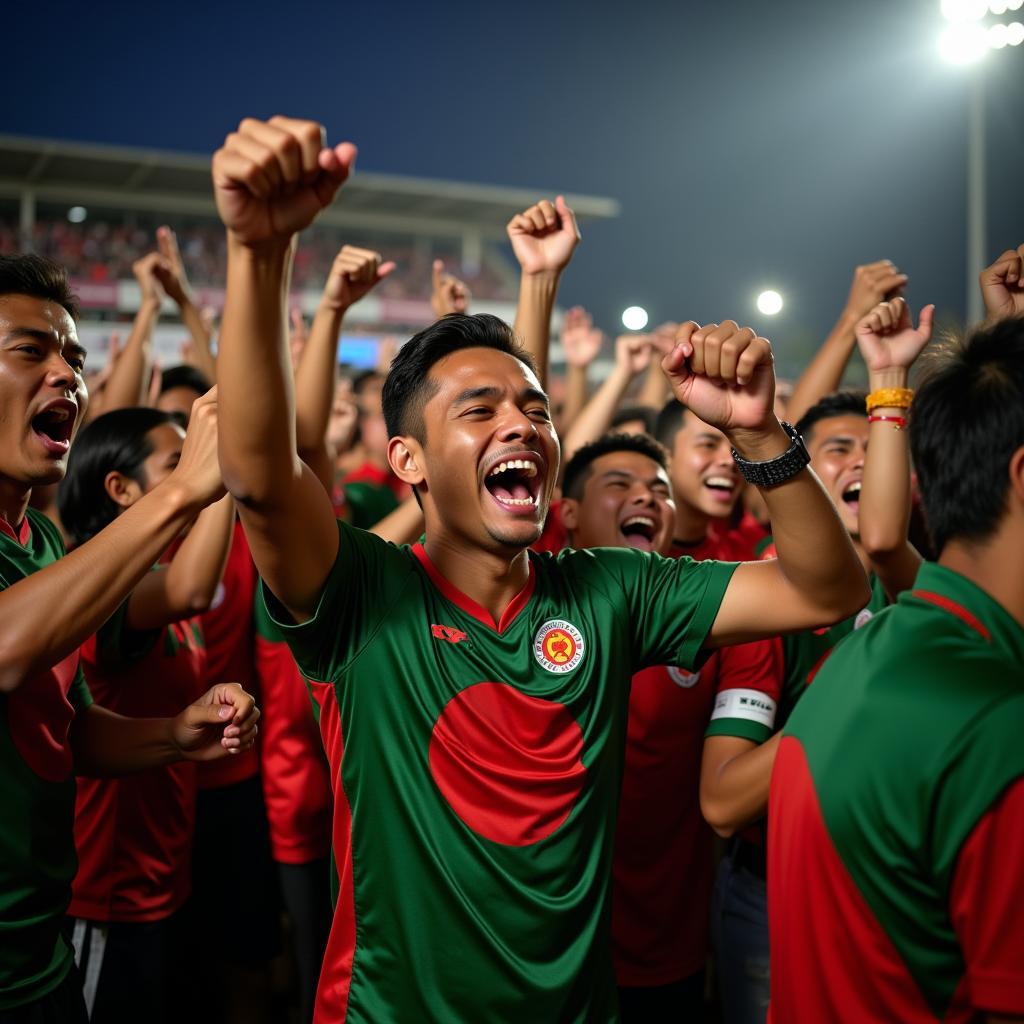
(750, 144)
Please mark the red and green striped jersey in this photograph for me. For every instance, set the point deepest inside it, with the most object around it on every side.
(896, 819)
(134, 834)
(477, 767)
(37, 795)
(294, 772)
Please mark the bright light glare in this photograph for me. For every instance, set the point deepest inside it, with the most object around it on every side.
(77, 214)
(1015, 5)
(998, 36)
(964, 10)
(1015, 33)
(963, 43)
(998, 6)
(634, 318)
(769, 303)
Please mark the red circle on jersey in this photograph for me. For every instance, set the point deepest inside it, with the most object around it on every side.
(507, 763)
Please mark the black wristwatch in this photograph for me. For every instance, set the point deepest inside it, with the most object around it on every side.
(773, 472)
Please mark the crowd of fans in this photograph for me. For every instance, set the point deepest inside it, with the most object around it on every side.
(101, 250)
(421, 692)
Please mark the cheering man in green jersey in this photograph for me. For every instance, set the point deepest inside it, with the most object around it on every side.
(50, 604)
(472, 697)
(896, 810)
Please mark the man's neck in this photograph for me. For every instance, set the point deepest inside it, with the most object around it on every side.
(489, 578)
(14, 498)
(993, 565)
(691, 524)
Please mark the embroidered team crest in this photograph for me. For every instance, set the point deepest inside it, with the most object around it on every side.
(682, 678)
(558, 646)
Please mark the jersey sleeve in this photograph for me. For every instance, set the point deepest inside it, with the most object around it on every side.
(118, 644)
(366, 580)
(78, 695)
(749, 688)
(986, 906)
(672, 603)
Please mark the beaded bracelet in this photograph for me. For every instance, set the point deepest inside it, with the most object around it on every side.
(890, 398)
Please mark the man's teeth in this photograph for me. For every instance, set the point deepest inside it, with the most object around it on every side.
(853, 491)
(517, 501)
(720, 481)
(529, 467)
(639, 521)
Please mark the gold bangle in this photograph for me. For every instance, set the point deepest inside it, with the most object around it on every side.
(890, 398)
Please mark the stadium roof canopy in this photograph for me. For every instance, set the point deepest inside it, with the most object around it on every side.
(41, 170)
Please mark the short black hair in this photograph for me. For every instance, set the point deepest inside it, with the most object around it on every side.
(644, 413)
(113, 442)
(669, 422)
(839, 403)
(577, 470)
(28, 274)
(408, 387)
(966, 422)
(184, 376)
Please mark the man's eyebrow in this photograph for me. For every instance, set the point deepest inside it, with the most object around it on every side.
(839, 439)
(472, 394)
(618, 473)
(533, 395)
(706, 435)
(29, 332)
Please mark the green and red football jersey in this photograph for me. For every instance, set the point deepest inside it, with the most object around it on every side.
(134, 833)
(37, 795)
(295, 774)
(896, 819)
(477, 768)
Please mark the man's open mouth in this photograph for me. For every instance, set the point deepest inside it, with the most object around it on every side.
(722, 487)
(639, 532)
(54, 426)
(851, 495)
(515, 484)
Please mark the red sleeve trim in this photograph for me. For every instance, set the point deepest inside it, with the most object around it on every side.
(986, 906)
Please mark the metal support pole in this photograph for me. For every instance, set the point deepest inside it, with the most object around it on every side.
(976, 244)
(26, 219)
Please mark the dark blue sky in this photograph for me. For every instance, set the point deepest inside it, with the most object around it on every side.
(750, 144)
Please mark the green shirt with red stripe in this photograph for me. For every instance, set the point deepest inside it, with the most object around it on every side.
(896, 819)
(795, 660)
(477, 768)
(37, 795)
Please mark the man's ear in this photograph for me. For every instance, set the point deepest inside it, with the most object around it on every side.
(405, 456)
(569, 512)
(121, 489)
(1017, 474)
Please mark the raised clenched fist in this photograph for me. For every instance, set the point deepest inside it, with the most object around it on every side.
(272, 178)
(544, 237)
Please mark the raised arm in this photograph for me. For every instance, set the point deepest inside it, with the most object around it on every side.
(1002, 285)
(128, 382)
(543, 239)
(632, 357)
(581, 341)
(655, 392)
(889, 344)
(353, 274)
(52, 612)
(448, 294)
(871, 284)
(171, 272)
(725, 376)
(270, 181)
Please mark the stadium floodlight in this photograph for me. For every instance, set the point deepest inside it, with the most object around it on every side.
(634, 318)
(964, 42)
(998, 36)
(1015, 33)
(769, 302)
(77, 214)
(964, 10)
